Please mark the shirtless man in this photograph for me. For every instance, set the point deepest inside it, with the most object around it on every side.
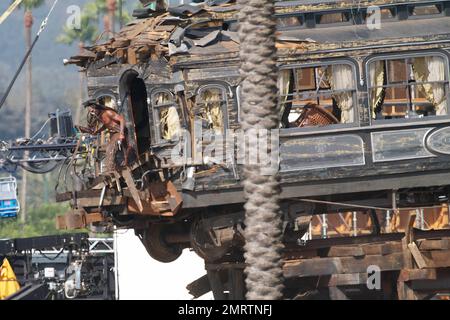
(102, 118)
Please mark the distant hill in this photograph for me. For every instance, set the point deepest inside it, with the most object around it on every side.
(54, 85)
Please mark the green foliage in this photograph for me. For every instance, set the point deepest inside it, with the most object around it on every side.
(41, 221)
(90, 17)
(88, 32)
(31, 4)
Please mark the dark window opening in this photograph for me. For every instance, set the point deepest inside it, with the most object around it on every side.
(137, 102)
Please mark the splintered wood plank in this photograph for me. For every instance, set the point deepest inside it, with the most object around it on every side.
(418, 258)
(165, 28)
(405, 292)
(131, 54)
(126, 174)
(348, 279)
(340, 265)
(407, 239)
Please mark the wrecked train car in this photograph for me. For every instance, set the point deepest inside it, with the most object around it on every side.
(364, 118)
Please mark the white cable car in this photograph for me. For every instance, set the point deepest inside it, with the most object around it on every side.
(9, 204)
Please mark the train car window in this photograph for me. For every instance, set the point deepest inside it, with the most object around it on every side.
(332, 18)
(410, 87)
(425, 10)
(289, 21)
(317, 95)
(166, 117)
(211, 107)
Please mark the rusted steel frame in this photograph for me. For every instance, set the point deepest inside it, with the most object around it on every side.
(78, 219)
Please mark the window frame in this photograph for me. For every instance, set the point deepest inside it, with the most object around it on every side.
(155, 111)
(224, 103)
(353, 64)
(437, 4)
(349, 22)
(300, 16)
(404, 56)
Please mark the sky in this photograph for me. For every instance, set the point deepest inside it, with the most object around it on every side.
(143, 278)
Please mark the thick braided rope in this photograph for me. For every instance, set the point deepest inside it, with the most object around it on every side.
(259, 107)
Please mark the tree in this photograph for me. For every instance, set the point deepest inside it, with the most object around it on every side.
(87, 33)
(257, 28)
(28, 6)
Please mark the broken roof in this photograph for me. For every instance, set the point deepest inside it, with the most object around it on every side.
(209, 29)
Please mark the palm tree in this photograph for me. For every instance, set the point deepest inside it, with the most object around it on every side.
(87, 34)
(259, 106)
(28, 6)
(111, 7)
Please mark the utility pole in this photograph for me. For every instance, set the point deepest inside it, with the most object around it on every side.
(28, 21)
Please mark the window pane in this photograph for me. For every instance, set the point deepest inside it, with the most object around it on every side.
(212, 101)
(397, 71)
(167, 115)
(306, 79)
(415, 87)
(169, 123)
(426, 10)
(289, 21)
(330, 88)
(333, 18)
(162, 98)
(387, 13)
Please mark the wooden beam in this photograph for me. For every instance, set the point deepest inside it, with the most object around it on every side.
(199, 287)
(336, 265)
(349, 279)
(216, 284)
(418, 258)
(407, 239)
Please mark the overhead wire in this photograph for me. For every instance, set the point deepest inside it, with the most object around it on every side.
(27, 55)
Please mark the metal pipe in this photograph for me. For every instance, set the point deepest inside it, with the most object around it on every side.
(388, 221)
(324, 226)
(116, 266)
